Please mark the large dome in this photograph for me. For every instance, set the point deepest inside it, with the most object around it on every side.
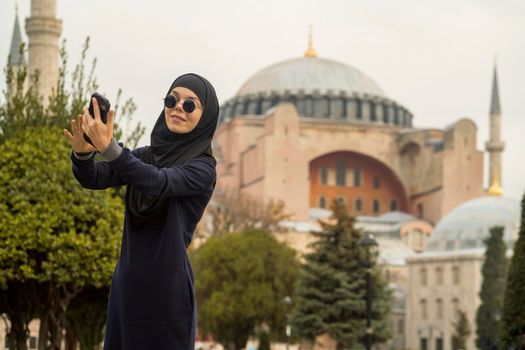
(319, 88)
(466, 226)
(310, 74)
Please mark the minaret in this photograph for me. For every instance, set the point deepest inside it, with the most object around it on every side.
(310, 52)
(43, 31)
(15, 58)
(495, 146)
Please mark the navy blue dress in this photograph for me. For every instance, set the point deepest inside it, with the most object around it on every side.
(151, 302)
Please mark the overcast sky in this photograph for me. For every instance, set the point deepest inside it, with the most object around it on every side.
(433, 57)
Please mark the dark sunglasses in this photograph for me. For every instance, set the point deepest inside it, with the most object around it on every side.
(188, 105)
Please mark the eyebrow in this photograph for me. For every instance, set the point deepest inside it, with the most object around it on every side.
(187, 98)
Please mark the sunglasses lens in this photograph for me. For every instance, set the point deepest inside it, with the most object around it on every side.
(170, 101)
(188, 106)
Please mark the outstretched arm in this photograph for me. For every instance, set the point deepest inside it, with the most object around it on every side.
(193, 177)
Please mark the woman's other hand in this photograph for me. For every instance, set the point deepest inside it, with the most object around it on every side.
(76, 137)
(99, 133)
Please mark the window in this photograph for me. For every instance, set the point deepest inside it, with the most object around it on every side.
(455, 306)
(322, 202)
(423, 344)
(423, 274)
(439, 276)
(375, 206)
(393, 205)
(439, 309)
(439, 343)
(455, 275)
(424, 313)
(340, 173)
(359, 113)
(357, 177)
(373, 112)
(377, 182)
(358, 205)
(341, 200)
(323, 174)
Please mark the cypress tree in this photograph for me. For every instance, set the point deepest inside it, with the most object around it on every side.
(513, 321)
(492, 291)
(330, 297)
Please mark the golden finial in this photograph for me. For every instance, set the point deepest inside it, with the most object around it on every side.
(310, 52)
(495, 189)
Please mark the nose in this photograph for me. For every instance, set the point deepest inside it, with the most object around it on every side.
(178, 106)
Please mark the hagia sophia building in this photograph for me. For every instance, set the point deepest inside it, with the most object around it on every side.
(308, 130)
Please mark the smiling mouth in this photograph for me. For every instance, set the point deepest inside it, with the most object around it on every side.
(176, 118)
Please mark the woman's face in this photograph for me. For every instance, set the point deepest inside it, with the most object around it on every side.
(178, 120)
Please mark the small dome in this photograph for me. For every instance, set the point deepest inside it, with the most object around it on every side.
(310, 74)
(467, 225)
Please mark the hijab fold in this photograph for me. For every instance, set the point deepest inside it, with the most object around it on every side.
(168, 149)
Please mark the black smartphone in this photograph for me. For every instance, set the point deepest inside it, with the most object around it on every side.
(104, 105)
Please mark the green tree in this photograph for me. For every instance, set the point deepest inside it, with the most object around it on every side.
(241, 280)
(513, 321)
(56, 237)
(33, 243)
(494, 274)
(461, 331)
(330, 297)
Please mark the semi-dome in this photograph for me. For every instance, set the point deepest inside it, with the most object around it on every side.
(319, 88)
(309, 75)
(467, 225)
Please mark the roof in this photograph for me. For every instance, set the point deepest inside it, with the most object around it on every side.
(494, 102)
(467, 225)
(16, 42)
(310, 74)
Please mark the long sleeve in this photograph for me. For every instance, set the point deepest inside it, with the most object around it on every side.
(193, 177)
(96, 175)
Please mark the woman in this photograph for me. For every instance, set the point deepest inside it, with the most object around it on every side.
(169, 183)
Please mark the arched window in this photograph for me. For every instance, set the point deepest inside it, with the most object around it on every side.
(358, 204)
(439, 309)
(424, 311)
(376, 206)
(424, 277)
(340, 173)
(393, 205)
(377, 182)
(455, 306)
(359, 107)
(323, 174)
(357, 177)
(455, 275)
(439, 276)
(322, 202)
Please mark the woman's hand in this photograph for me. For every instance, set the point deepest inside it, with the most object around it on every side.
(99, 133)
(76, 137)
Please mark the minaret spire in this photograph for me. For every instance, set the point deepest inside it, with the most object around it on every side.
(310, 52)
(495, 146)
(14, 53)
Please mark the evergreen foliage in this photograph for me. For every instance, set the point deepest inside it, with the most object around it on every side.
(330, 297)
(461, 331)
(513, 321)
(492, 292)
(241, 280)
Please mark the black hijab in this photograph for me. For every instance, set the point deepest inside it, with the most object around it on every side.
(169, 149)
